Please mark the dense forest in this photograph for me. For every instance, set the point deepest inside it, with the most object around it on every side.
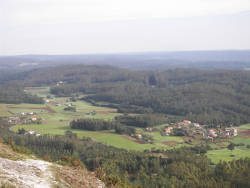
(182, 167)
(203, 96)
(12, 93)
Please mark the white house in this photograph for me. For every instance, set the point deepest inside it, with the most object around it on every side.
(33, 118)
(234, 132)
(149, 128)
(197, 125)
(30, 132)
(30, 113)
(47, 100)
(211, 131)
(139, 136)
(22, 113)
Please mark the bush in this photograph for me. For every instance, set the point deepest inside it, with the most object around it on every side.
(47, 158)
(72, 161)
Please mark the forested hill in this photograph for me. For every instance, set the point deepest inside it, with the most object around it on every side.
(211, 96)
(12, 93)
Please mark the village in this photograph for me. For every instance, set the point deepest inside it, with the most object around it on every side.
(187, 128)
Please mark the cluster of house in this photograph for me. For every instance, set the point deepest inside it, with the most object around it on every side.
(168, 131)
(228, 133)
(207, 134)
(13, 119)
(32, 132)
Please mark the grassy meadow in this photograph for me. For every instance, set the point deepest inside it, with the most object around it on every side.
(58, 123)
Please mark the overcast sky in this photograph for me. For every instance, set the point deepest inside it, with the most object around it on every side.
(110, 26)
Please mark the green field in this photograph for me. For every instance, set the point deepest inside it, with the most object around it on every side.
(247, 126)
(40, 92)
(52, 125)
(224, 154)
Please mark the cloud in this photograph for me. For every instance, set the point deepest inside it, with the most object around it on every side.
(20, 12)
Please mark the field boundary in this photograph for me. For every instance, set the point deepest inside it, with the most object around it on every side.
(48, 109)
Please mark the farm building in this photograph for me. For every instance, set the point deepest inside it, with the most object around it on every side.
(186, 122)
(30, 113)
(234, 132)
(30, 132)
(33, 118)
(139, 136)
(197, 125)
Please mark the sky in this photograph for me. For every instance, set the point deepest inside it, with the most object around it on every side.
(114, 26)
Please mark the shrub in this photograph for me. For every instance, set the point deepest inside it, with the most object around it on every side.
(47, 158)
(72, 161)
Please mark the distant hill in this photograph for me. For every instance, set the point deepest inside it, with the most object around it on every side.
(227, 59)
(218, 55)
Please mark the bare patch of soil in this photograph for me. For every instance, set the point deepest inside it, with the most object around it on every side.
(48, 109)
(221, 144)
(186, 138)
(244, 134)
(133, 114)
(52, 103)
(171, 143)
(133, 139)
(198, 137)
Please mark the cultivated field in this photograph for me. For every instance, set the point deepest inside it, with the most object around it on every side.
(57, 122)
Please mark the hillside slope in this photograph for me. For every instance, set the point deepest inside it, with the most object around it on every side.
(18, 170)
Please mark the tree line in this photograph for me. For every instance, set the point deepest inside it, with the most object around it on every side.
(179, 168)
(182, 92)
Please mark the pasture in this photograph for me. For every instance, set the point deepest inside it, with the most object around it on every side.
(57, 123)
(224, 154)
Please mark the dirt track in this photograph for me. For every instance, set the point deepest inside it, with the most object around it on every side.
(106, 112)
(34, 88)
(48, 109)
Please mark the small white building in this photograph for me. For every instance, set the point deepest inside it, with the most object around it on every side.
(30, 132)
(149, 128)
(234, 132)
(22, 113)
(47, 100)
(139, 136)
(30, 113)
(33, 118)
(197, 125)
